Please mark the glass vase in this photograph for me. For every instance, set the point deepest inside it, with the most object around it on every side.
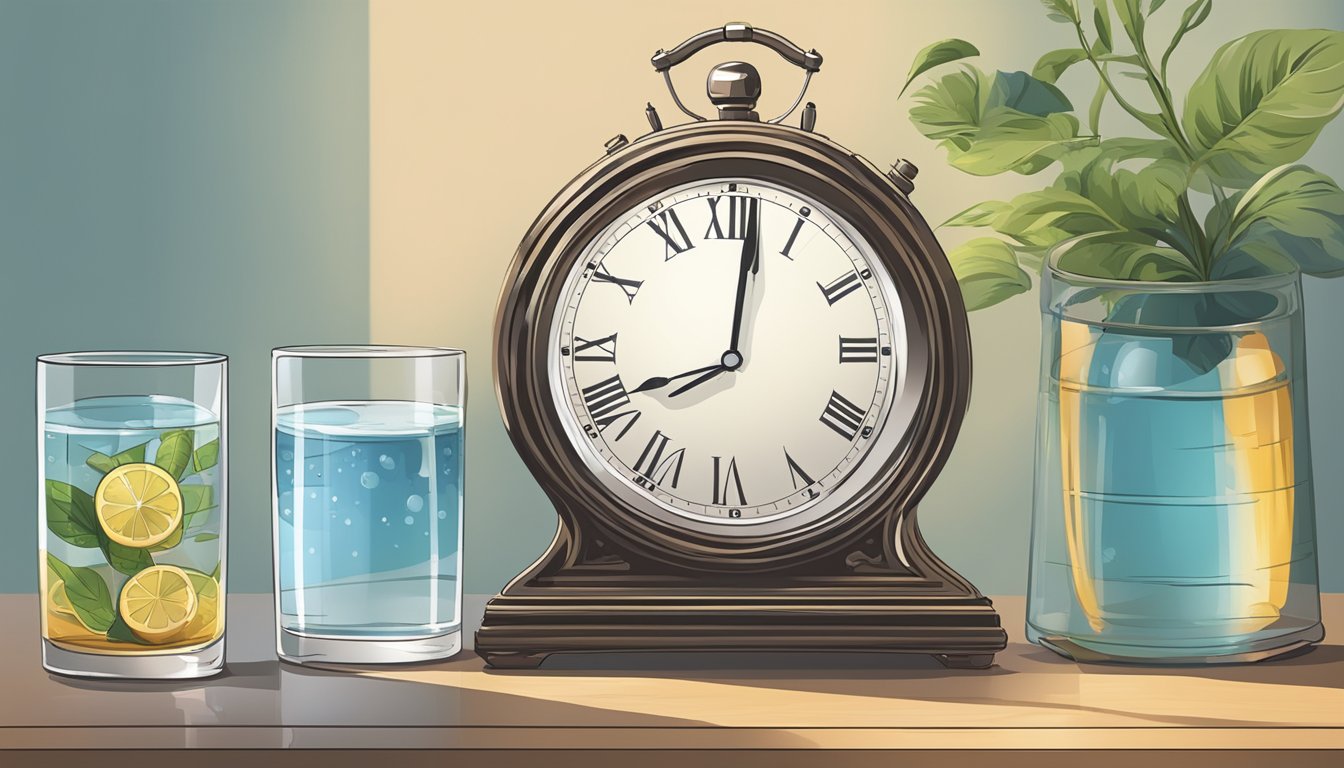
(1173, 512)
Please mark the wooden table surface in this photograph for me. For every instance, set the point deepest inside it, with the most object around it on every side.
(720, 704)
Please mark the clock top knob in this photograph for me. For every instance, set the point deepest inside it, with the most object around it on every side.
(733, 88)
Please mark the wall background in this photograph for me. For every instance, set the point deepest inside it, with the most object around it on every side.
(237, 175)
(178, 175)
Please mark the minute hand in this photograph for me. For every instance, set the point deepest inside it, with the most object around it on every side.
(751, 262)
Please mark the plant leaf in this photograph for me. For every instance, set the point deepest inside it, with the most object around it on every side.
(1062, 11)
(1118, 256)
(197, 501)
(987, 272)
(1043, 219)
(1053, 64)
(1024, 93)
(215, 573)
(174, 454)
(1094, 109)
(104, 463)
(205, 537)
(1195, 14)
(1012, 141)
(936, 55)
(1152, 8)
(978, 215)
(1101, 18)
(989, 125)
(70, 515)
(1262, 101)
(1131, 17)
(88, 594)
(124, 559)
(206, 456)
(1293, 213)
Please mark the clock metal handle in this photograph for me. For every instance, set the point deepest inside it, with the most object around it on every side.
(808, 61)
(738, 33)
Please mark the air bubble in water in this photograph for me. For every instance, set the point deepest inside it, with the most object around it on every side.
(312, 550)
(287, 455)
(347, 521)
(409, 520)
(354, 553)
(369, 480)
(415, 503)
(386, 462)
(442, 514)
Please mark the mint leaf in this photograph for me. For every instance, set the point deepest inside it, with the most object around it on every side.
(206, 537)
(104, 463)
(174, 454)
(88, 594)
(70, 514)
(206, 456)
(124, 559)
(215, 573)
(122, 633)
(197, 501)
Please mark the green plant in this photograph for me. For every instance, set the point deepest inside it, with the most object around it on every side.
(1215, 192)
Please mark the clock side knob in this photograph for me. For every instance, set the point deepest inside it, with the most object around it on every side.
(902, 174)
(734, 88)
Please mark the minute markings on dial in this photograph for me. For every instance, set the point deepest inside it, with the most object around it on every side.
(797, 473)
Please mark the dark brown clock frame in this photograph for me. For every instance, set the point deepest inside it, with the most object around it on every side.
(614, 580)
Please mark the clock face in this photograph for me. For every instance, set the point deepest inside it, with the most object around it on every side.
(726, 356)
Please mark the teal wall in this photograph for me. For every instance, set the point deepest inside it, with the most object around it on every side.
(177, 175)
(196, 175)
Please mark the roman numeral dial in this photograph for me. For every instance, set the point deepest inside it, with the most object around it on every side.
(727, 355)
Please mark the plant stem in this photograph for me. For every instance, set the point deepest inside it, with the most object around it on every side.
(1105, 78)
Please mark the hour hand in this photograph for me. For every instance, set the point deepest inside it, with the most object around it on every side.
(658, 382)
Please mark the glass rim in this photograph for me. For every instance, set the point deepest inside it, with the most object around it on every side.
(363, 351)
(132, 358)
(1279, 280)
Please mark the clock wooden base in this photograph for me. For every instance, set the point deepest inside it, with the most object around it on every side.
(585, 598)
(522, 630)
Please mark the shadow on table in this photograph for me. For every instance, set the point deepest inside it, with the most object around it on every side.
(1320, 666)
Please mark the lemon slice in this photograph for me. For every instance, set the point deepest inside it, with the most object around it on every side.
(205, 626)
(138, 505)
(158, 603)
(58, 602)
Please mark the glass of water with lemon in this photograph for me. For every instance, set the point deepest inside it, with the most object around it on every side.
(131, 536)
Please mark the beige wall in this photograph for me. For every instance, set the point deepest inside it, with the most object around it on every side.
(482, 110)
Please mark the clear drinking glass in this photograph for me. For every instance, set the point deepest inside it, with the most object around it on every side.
(132, 485)
(1174, 518)
(368, 459)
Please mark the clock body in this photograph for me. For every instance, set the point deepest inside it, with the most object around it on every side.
(734, 356)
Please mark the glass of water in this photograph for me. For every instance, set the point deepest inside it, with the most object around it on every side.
(131, 502)
(368, 484)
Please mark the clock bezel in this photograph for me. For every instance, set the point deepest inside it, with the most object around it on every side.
(937, 364)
